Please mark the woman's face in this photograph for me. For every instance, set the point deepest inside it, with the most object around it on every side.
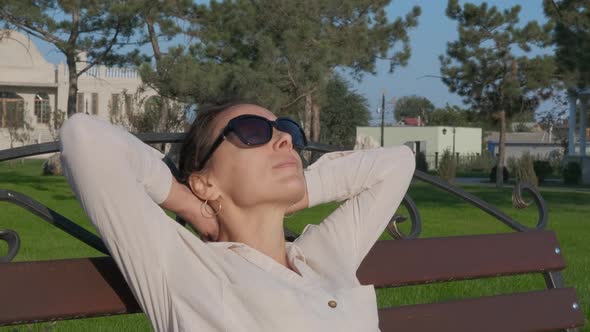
(269, 174)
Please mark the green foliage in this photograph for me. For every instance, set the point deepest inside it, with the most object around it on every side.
(542, 169)
(342, 111)
(572, 173)
(447, 168)
(522, 128)
(56, 120)
(482, 65)
(485, 67)
(571, 37)
(413, 106)
(457, 117)
(421, 163)
(139, 113)
(18, 124)
(279, 53)
(96, 28)
(476, 162)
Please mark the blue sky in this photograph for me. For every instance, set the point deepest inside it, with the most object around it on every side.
(428, 41)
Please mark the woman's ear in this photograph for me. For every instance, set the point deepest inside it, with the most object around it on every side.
(202, 187)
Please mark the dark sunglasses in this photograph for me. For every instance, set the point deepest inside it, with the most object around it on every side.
(254, 130)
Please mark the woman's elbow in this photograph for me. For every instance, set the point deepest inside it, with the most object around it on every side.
(407, 158)
(74, 129)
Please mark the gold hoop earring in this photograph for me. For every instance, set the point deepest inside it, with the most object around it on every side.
(210, 215)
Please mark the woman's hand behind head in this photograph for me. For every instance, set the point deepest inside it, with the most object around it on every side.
(183, 202)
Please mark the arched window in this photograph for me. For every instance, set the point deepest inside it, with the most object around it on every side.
(42, 107)
(12, 111)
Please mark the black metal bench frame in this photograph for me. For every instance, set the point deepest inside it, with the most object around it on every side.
(111, 295)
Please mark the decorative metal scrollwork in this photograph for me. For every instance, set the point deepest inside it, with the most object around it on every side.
(416, 227)
(53, 218)
(517, 199)
(12, 239)
(78, 232)
(519, 203)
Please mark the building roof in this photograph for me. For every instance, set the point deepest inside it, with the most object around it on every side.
(534, 137)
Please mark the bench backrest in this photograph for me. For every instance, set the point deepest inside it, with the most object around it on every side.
(87, 287)
(423, 261)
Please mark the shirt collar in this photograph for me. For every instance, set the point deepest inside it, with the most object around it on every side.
(295, 257)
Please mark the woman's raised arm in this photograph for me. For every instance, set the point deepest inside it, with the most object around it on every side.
(372, 183)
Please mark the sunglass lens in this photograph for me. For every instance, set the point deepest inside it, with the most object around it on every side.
(253, 131)
(294, 130)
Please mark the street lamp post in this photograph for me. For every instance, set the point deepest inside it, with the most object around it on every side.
(455, 155)
(382, 117)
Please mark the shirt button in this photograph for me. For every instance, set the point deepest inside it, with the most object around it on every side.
(332, 304)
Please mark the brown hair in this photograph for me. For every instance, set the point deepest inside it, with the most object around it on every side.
(200, 136)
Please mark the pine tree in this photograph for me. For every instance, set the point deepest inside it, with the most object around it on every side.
(282, 53)
(95, 27)
(483, 65)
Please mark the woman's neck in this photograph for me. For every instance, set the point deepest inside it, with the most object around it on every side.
(261, 229)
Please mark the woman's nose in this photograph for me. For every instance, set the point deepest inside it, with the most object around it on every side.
(284, 140)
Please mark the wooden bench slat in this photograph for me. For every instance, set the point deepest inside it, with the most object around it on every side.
(87, 287)
(396, 263)
(546, 310)
(63, 289)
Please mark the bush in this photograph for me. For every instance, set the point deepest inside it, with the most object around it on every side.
(506, 174)
(421, 163)
(525, 171)
(542, 169)
(572, 173)
(52, 166)
(555, 159)
(476, 162)
(447, 169)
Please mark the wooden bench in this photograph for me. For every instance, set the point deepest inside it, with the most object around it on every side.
(90, 287)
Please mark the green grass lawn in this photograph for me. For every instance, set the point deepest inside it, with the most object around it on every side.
(443, 215)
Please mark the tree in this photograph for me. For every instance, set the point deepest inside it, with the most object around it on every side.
(87, 32)
(56, 120)
(18, 124)
(483, 67)
(450, 116)
(571, 37)
(140, 113)
(281, 53)
(160, 20)
(342, 111)
(413, 106)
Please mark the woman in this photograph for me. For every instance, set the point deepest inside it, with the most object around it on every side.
(242, 177)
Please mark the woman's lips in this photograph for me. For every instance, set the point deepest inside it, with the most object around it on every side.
(291, 162)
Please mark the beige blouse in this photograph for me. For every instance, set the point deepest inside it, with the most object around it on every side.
(185, 284)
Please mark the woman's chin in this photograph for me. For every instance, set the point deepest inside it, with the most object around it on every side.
(292, 190)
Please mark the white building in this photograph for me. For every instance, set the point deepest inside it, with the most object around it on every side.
(28, 82)
(432, 141)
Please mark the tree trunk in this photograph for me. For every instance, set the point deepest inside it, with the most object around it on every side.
(308, 115)
(315, 122)
(501, 151)
(72, 85)
(163, 121)
(165, 106)
(307, 127)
